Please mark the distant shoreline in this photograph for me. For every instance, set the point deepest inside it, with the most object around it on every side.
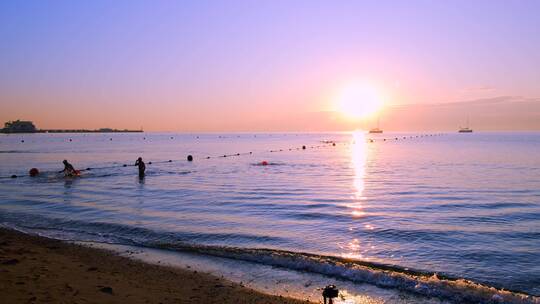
(74, 131)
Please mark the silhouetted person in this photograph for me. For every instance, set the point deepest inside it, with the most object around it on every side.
(68, 169)
(142, 166)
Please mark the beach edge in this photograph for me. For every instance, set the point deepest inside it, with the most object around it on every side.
(40, 269)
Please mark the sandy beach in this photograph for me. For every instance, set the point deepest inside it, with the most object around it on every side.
(41, 270)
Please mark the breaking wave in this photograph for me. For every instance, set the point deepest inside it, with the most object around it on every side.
(424, 283)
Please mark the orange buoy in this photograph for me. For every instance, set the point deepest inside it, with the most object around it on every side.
(264, 163)
(33, 172)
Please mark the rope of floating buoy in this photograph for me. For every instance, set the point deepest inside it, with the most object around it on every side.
(172, 137)
(190, 157)
(371, 140)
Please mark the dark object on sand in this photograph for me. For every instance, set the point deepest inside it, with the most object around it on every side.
(106, 290)
(14, 176)
(330, 292)
(10, 262)
(190, 158)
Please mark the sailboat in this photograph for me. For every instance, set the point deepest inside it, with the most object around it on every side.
(466, 129)
(376, 130)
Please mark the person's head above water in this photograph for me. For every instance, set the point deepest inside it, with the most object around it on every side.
(139, 159)
(65, 161)
(33, 172)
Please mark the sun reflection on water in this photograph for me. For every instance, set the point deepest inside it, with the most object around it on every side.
(357, 249)
(358, 159)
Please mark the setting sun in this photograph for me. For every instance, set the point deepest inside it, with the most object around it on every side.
(358, 101)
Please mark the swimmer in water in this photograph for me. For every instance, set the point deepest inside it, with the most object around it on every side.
(68, 169)
(142, 166)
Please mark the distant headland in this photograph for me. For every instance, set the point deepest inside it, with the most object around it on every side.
(20, 126)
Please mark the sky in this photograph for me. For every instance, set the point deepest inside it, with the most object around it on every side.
(222, 66)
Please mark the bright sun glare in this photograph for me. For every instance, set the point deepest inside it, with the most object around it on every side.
(358, 101)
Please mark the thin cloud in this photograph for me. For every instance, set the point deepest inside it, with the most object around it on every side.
(480, 101)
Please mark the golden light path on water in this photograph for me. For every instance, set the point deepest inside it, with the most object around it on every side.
(354, 249)
(358, 158)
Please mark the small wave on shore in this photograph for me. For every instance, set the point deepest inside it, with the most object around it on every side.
(422, 283)
(418, 282)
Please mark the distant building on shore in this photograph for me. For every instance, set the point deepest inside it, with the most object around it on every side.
(19, 126)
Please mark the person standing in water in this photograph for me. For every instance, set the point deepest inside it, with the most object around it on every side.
(142, 166)
(68, 169)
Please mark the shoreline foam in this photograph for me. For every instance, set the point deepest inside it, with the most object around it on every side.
(456, 290)
(424, 284)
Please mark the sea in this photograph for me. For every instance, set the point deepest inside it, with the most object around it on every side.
(422, 217)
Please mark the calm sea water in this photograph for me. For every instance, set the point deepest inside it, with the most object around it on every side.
(459, 205)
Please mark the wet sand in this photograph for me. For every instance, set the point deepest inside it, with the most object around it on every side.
(41, 270)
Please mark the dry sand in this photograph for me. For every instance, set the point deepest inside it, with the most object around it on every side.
(41, 270)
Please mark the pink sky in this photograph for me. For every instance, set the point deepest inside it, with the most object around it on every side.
(275, 66)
